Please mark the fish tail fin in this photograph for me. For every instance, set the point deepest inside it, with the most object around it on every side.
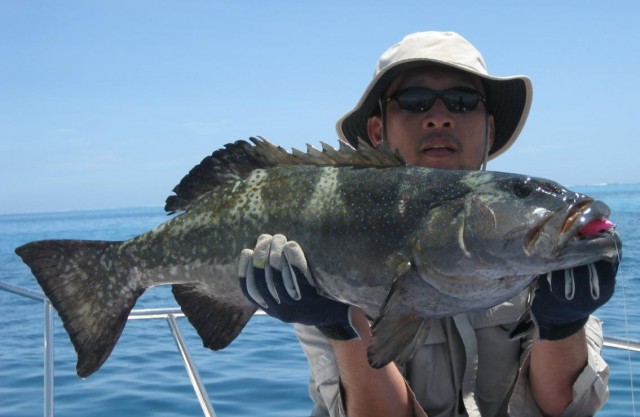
(218, 322)
(92, 289)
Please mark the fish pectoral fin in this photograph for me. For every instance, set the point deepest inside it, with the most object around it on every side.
(397, 338)
(217, 322)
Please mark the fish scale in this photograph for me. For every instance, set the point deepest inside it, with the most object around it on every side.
(405, 244)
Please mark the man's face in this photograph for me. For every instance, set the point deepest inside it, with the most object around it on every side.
(436, 138)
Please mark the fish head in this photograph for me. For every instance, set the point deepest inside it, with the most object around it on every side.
(503, 231)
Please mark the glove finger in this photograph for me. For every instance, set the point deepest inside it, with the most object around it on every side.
(569, 284)
(246, 261)
(272, 267)
(294, 264)
(265, 286)
(269, 277)
(275, 250)
(606, 270)
(260, 277)
(261, 251)
(587, 282)
(284, 296)
(606, 278)
(562, 284)
(248, 278)
(261, 256)
(549, 283)
(594, 281)
(290, 281)
(295, 258)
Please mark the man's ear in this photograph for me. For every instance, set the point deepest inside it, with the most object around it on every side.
(374, 130)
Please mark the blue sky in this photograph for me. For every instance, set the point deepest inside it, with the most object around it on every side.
(108, 104)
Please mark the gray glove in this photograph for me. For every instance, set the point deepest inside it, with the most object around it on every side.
(276, 278)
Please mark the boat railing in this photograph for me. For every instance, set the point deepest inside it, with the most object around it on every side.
(170, 315)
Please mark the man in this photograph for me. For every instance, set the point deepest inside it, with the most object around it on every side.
(432, 100)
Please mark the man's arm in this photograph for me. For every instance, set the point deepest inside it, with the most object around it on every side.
(276, 278)
(561, 307)
(554, 367)
(367, 391)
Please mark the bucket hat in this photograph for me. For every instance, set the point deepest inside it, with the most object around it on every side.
(508, 99)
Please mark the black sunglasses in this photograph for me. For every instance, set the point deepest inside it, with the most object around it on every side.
(421, 99)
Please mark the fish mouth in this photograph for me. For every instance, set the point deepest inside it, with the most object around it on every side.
(561, 232)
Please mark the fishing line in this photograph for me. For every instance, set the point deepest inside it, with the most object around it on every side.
(626, 331)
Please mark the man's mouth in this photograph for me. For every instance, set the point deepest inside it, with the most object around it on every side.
(438, 151)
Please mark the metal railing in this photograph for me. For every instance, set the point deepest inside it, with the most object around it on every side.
(170, 314)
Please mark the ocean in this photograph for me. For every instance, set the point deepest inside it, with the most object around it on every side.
(262, 373)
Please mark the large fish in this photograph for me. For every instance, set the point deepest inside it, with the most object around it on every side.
(406, 244)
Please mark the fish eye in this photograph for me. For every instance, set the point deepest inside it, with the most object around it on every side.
(523, 188)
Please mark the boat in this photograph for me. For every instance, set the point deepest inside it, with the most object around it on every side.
(171, 315)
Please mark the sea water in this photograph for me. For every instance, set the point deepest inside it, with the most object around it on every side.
(262, 373)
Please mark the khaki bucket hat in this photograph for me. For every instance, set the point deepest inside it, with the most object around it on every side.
(508, 99)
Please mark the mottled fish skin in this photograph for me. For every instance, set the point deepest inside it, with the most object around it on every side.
(408, 242)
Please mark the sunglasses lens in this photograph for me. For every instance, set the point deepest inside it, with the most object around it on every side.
(415, 99)
(420, 100)
(461, 100)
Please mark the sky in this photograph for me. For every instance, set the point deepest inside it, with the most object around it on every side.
(108, 104)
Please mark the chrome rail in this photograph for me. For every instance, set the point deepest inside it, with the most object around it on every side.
(622, 343)
(48, 341)
(170, 314)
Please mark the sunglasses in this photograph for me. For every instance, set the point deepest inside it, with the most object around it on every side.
(421, 99)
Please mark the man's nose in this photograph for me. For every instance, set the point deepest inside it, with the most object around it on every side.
(438, 116)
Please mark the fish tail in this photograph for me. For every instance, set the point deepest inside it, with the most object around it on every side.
(92, 289)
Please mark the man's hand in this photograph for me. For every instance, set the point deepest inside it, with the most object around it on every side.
(565, 299)
(276, 278)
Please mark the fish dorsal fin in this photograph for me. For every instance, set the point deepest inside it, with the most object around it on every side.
(237, 160)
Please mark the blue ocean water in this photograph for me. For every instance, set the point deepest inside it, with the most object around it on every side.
(262, 373)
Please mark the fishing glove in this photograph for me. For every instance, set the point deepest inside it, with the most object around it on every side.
(275, 277)
(564, 299)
